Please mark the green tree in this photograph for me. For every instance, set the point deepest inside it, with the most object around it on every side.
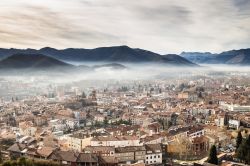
(120, 121)
(27, 162)
(105, 122)
(97, 124)
(1, 156)
(22, 161)
(212, 159)
(240, 152)
(7, 163)
(129, 121)
(83, 95)
(238, 140)
(243, 152)
(247, 150)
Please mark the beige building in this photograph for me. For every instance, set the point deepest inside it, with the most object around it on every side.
(129, 155)
(78, 141)
(116, 141)
(27, 128)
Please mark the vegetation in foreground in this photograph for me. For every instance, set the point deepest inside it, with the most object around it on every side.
(243, 150)
(28, 162)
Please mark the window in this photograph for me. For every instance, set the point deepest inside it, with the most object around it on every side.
(159, 156)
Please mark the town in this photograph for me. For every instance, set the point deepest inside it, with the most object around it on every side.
(175, 121)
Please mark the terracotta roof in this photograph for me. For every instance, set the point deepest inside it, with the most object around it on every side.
(17, 147)
(99, 148)
(107, 159)
(155, 148)
(154, 125)
(114, 138)
(64, 156)
(151, 138)
(129, 149)
(201, 139)
(135, 164)
(86, 157)
(45, 151)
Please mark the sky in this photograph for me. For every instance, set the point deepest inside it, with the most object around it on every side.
(162, 26)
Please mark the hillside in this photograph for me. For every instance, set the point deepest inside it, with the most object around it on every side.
(198, 57)
(234, 57)
(102, 54)
(31, 61)
(177, 59)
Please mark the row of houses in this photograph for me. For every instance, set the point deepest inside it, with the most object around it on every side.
(92, 155)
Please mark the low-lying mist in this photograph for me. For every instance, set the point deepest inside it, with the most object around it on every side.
(30, 83)
(145, 71)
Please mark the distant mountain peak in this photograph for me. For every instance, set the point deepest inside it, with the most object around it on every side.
(233, 57)
(36, 61)
(119, 54)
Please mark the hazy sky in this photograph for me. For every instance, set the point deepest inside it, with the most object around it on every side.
(163, 26)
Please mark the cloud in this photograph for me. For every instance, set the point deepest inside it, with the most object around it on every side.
(164, 26)
(35, 25)
(242, 4)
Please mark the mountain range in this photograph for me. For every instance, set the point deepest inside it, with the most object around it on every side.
(38, 62)
(31, 61)
(123, 54)
(233, 57)
(48, 58)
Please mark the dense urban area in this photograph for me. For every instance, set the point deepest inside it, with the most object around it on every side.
(201, 119)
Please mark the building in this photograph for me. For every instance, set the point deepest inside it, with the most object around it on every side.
(234, 124)
(100, 150)
(129, 155)
(27, 128)
(200, 145)
(116, 141)
(153, 154)
(78, 141)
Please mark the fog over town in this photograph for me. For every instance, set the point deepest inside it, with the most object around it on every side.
(124, 83)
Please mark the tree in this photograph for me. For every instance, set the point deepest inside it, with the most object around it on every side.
(240, 152)
(8, 163)
(105, 122)
(83, 95)
(22, 161)
(29, 162)
(97, 124)
(1, 156)
(243, 152)
(212, 159)
(247, 150)
(129, 121)
(238, 140)
(120, 121)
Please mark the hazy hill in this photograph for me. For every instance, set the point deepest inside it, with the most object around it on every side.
(241, 56)
(101, 54)
(197, 57)
(115, 66)
(236, 57)
(177, 59)
(31, 61)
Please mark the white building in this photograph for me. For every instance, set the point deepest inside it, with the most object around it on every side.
(116, 141)
(196, 132)
(153, 154)
(235, 124)
(235, 107)
(78, 142)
